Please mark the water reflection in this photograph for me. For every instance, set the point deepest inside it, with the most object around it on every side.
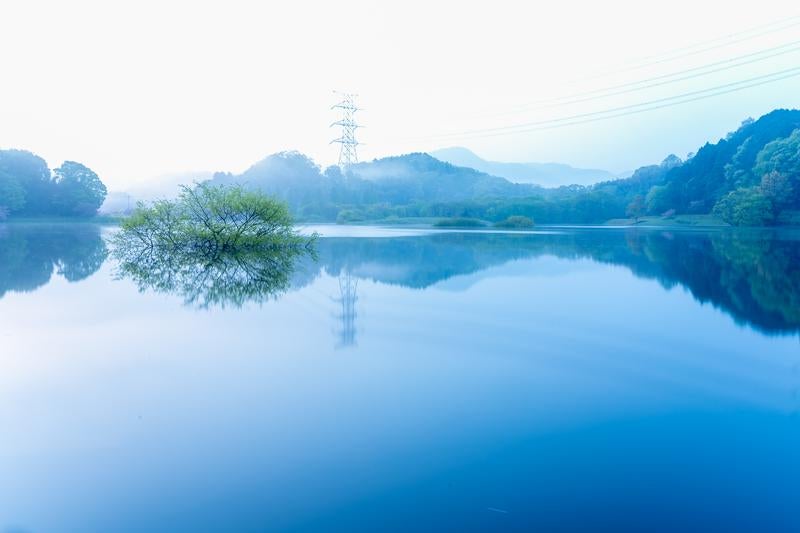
(206, 280)
(553, 380)
(30, 253)
(753, 276)
(348, 296)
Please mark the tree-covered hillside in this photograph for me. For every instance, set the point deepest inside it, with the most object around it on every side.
(751, 177)
(29, 188)
(372, 190)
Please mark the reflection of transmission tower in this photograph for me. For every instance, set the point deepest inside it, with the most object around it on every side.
(348, 286)
(348, 142)
(796, 392)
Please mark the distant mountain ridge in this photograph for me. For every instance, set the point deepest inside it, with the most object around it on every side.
(544, 174)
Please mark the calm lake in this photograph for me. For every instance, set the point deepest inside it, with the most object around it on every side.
(404, 380)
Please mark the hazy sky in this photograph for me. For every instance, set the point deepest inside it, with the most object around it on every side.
(139, 89)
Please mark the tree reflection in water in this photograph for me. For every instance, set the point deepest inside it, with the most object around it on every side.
(30, 253)
(206, 280)
(752, 275)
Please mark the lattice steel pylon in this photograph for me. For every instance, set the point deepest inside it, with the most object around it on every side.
(348, 142)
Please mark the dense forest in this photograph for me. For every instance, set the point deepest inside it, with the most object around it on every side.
(28, 188)
(751, 177)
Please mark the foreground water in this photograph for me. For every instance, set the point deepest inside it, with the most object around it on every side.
(564, 380)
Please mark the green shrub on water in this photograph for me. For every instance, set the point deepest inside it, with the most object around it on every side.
(459, 222)
(213, 246)
(211, 219)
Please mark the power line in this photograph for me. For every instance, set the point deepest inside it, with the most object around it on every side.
(784, 23)
(347, 152)
(621, 108)
(664, 79)
(684, 52)
(621, 111)
(653, 108)
(660, 80)
(778, 22)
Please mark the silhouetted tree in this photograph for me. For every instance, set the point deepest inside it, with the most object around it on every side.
(12, 195)
(78, 190)
(636, 208)
(745, 207)
(28, 172)
(778, 188)
(28, 188)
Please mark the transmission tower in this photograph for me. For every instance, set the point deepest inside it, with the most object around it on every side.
(347, 140)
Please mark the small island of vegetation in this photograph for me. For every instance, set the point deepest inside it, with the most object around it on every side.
(213, 220)
(459, 222)
(214, 245)
(515, 222)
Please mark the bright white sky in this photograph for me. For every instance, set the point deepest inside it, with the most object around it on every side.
(139, 89)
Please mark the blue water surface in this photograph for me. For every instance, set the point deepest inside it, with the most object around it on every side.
(407, 380)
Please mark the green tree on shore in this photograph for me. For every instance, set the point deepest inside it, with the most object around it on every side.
(29, 188)
(636, 208)
(745, 207)
(78, 191)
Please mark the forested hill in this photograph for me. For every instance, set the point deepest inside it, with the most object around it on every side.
(751, 177)
(29, 188)
(419, 177)
(370, 189)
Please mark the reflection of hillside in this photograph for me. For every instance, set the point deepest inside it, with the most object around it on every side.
(421, 261)
(29, 253)
(752, 276)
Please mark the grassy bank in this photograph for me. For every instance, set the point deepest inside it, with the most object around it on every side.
(103, 219)
(678, 220)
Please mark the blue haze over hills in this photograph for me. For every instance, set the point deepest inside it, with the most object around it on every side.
(544, 174)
